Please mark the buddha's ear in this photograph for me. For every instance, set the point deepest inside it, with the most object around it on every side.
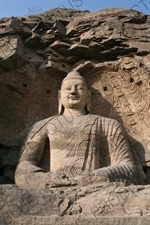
(60, 106)
(89, 101)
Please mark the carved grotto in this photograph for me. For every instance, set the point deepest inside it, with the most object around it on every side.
(111, 49)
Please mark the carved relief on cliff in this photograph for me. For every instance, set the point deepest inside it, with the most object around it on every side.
(38, 51)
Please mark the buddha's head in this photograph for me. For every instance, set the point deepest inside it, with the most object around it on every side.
(74, 93)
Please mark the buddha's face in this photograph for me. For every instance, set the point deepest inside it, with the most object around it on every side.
(74, 94)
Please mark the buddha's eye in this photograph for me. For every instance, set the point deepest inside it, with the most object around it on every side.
(81, 88)
(68, 88)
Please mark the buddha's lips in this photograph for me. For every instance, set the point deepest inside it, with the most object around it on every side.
(74, 97)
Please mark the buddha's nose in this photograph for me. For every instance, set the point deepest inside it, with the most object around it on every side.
(73, 89)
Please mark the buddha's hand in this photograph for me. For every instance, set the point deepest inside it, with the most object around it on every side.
(89, 178)
(58, 179)
(84, 179)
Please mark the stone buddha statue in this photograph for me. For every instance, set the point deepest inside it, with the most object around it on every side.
(75, 147)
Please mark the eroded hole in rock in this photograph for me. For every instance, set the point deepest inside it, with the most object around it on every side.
(63, 65)
(1, 171)
(139, 82)
(105, 88)
(24, 85)
(131, 80)
(145, 169)
(48, 92)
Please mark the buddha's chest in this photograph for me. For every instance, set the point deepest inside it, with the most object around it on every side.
(64, 134)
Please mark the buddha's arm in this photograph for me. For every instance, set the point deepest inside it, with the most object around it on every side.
(27, 170)
(122, 166)
(34, 146)
(28, 173)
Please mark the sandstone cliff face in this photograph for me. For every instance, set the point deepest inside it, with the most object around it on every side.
(110, 48)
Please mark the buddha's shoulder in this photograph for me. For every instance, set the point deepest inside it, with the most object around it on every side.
(105, 120)
(43, 123)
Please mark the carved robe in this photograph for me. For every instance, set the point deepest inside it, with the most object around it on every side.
(96, 144)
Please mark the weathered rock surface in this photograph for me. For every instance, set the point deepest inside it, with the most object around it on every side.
(111, 48)
(115, 205)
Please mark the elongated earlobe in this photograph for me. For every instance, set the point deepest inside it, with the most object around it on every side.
(89, 102)
(60, 106)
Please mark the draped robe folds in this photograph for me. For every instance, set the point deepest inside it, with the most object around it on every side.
(97, 144)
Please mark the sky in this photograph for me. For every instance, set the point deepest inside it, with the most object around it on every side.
(10, 8)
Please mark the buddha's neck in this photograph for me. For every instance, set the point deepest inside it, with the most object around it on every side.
(74, 112)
